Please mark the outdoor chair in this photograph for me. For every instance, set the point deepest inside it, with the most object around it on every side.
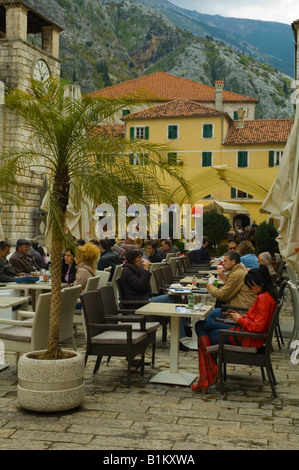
(161, 288)
(116, 275)
(104, 277)
(105, 337)
(135, 304)
(110, 308)
(78, 317)
(153, 284)
(31, 333)
(251, 356)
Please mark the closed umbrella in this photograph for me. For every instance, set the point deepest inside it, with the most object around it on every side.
(282, 202)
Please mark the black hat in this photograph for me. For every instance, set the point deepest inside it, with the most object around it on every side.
(23, 241)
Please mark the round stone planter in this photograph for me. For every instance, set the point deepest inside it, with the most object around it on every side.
(50, 385)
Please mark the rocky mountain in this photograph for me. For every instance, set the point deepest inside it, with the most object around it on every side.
(106, 42)
(267, 41)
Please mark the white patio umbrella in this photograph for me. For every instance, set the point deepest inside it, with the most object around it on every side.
(282, 202)
(80, 221)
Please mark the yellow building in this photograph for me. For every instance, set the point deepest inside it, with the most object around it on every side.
(227, 161)
(229, 158)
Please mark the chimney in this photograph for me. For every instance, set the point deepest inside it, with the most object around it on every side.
(241, 113)
(219, 84)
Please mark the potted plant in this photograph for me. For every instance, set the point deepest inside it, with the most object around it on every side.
(79, 157)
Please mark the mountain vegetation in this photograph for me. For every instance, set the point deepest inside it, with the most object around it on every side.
(107, 42)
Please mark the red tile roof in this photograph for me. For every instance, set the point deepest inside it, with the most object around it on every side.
(260, 131)
(166, 87)
(176, 108)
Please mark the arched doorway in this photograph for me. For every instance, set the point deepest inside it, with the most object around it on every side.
(241, 220)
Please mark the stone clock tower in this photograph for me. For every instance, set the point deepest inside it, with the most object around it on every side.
(21, 27)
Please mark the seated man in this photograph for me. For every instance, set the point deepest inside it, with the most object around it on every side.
(108, 257)
(21, 261)
(234, 291)
(166, 248)
(151, 252)
(202, 255)
(7, 273)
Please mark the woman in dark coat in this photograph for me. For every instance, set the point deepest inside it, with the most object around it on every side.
(135, 282)
(68, 267)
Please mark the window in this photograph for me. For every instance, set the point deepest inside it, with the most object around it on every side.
(238, 194)
(275, 157)
(242, 160)
(206, 159)
(207, 131)
(139, 159)
(125, 112)
(139, 132)
(172, 158)
(173, 132)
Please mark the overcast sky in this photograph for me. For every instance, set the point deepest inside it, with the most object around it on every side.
(283, 11)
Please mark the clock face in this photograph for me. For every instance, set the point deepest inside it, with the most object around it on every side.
(41, 71)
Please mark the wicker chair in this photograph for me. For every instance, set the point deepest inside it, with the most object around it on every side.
(134, 304)
(110, 308)
(105, 337)
(229, 354)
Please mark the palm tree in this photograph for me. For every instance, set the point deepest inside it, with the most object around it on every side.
(80, 157)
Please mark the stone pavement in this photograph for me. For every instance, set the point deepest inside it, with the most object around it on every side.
(160, 417)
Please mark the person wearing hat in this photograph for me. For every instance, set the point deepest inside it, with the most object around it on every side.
(135, 284)
(21, 260)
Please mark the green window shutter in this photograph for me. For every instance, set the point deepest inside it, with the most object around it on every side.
(172, 132)
(207, 131)
(206, 159)
(125, 112)
(172, 158)
(242, 159)
(132, 133)
(235, 115)
(146, 132)
(271, 158)
(233, 192)
(131, 159)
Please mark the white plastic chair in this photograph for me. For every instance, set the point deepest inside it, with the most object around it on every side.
(31, 333)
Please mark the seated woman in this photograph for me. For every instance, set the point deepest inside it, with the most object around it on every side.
(257, 320)
(135, 283)
(248, 257)
(86, 258)
(68, 267)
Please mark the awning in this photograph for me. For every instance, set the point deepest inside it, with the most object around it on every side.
(227, 207)
(207, 180)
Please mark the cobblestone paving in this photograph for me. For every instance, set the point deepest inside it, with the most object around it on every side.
(160, 417)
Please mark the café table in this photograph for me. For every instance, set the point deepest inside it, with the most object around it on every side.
(173, 375)
(39, 287)
(200, 281)
(201, 293)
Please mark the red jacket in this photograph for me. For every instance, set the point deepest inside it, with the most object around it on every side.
(257, 320)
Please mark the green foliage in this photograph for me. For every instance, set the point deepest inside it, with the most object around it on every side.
(265, 238)
(215, 226)
(68, 146)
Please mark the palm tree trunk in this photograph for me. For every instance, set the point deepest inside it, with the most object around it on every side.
(53, 340)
